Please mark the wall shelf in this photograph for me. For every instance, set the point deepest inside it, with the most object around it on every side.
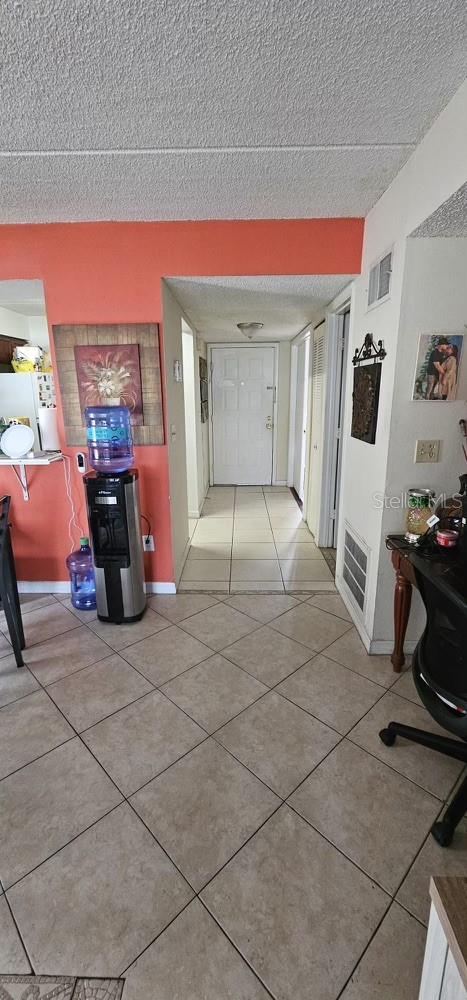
(21, 464)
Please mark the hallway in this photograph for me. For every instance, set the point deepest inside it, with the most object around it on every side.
(253, 538)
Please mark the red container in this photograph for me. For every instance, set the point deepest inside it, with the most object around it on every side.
(446, 538)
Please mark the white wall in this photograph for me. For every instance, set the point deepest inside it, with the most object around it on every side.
(436, 169)
(172, 326)
(195, 432)
(13, 324)
(434, 300)
(38, 332)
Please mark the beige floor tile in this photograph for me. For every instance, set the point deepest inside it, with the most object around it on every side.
(95, 692)
(433, 860)
(217, 507)
(5, 646)
(305, 569)
(263, 608)
(267, 655)
(246, 525)
(46, 622)
(14, 682)
(84, 616)
(350, 651)
(119, 636)
(292, 535)
(253, 512)
(166, 654)
(12, 955)
(29, 728)
(213, 529)
(210, 550)
(249, 489)
(311, 626)
(124, 891)
(213, 692)
(405, 687)
(205, 586)
(255, 586)
(29, 602)
(64, 654)
(211, 969)
(311, 586)
(391, 968)
(354, 800)
(44, 805)
(247, 535)
(299, 912)
(254, 550)
(298, 550)
(433, 771)
(337, 696)
(142, 740)
(277, 741)
(206, 569)
(176, 607)
(255, 569)
(289, 519)
(203, 809)
(332, 603)
(219, 626)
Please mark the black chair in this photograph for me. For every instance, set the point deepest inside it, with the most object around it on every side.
(439, 670)
(9, 599)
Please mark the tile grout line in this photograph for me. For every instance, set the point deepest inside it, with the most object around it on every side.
(26, 952)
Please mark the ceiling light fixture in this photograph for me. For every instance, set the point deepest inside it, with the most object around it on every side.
(249, 329)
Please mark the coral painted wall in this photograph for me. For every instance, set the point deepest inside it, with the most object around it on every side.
(111, 273)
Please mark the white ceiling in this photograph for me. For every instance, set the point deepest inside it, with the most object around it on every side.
(450, 219)
(25, 297)
(217, 108)
(284, 304)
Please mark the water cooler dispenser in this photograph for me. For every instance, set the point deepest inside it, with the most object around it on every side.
(115, 525)
(112, 496)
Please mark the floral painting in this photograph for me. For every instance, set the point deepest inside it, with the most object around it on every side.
(110, 375)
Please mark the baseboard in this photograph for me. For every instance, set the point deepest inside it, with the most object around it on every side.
(153, 587)
(63, 587)
(386, 646)
(280, 482)
(182, 563)
(194, 514)
(43, 586)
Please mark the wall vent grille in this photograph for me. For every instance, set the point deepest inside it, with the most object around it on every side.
(380, 279)
(355, 568)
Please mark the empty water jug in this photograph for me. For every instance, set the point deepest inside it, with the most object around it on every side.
(81, 570)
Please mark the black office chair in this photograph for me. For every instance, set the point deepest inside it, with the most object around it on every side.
(439, 670)
(9, 599)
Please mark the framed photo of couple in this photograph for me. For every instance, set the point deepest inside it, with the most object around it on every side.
(437, 369)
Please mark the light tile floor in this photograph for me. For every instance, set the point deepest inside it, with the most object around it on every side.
(202, 805)
(253, 538)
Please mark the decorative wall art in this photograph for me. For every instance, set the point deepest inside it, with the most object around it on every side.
(203, 389)
(366, 385)
(437, 368)
(110, 376)
(115, 364)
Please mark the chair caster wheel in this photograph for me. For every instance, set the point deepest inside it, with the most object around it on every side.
(387, 737)
(443, 833)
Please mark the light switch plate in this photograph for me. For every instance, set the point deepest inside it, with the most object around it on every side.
(427, 451)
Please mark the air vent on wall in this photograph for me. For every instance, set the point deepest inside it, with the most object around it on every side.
(380, 279)
(355, 568)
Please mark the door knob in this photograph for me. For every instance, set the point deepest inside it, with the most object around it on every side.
(269, 423)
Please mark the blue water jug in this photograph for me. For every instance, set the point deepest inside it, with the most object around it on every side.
(81, 570)
(109, 437)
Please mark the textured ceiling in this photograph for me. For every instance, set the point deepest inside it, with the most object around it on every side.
(25, 297)
(450, 219)
(284, 304)
(217, 108)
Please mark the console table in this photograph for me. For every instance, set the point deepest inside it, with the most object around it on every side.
(449, 567)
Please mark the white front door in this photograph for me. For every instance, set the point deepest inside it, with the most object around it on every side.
(301, 413)
(242, 415)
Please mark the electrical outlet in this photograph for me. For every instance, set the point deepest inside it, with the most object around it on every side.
(148, 543)
(427, 451)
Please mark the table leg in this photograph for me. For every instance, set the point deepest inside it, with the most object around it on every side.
(402, 602)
